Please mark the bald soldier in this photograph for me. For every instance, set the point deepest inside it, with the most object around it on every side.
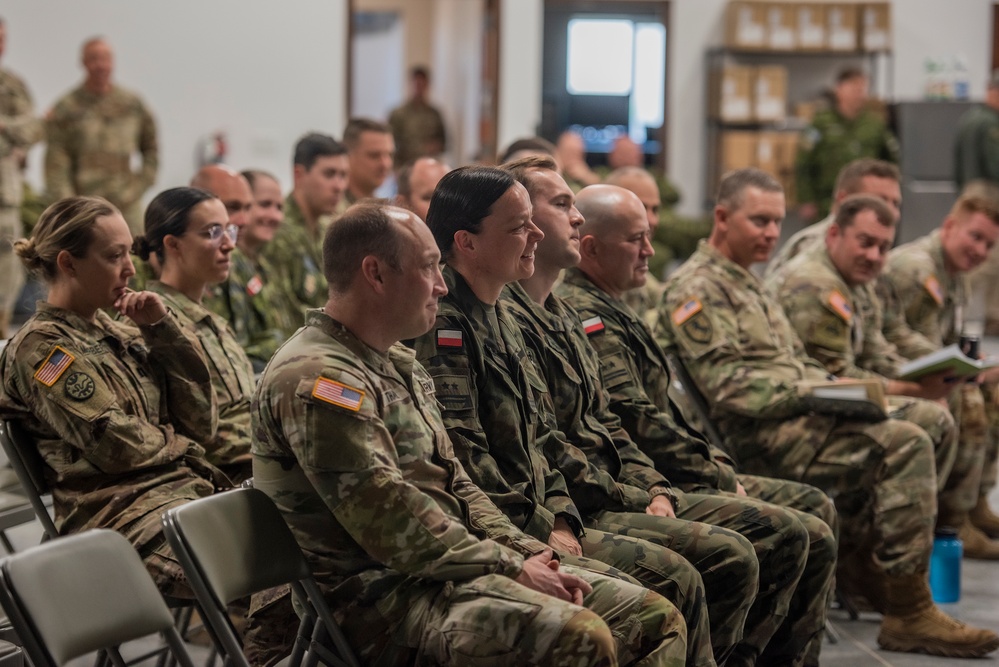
(94, 132)
(749, 364)
(416, 182)
(417, 563)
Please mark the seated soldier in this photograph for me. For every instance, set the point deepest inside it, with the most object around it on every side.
(116, 409)
(418, 564)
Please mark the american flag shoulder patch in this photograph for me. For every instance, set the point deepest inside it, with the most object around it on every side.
(932, 286)
(593, 325)
(54, 366)
(840, 306)
(690, 308)
(338, 393)
(449, 338)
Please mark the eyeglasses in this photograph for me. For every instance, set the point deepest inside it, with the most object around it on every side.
(214, 233)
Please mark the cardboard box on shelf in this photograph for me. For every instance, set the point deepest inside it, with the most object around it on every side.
(770, 93)
(841, 26)
(745, 25)
(732, 93)
(875, 26)
(811, 26)
(781, 33)
(736, 150)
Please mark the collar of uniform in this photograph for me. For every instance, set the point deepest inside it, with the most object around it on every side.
(576, 277)
(292, 213)
(549, 316)
(181, 303)
(102, 326)
(711, 257)
(335, 329)
(460, 293)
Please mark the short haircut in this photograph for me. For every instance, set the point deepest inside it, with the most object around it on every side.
(849, 73)
(68, 225)
(420, 70)
(534, 144)
(733, 185)
(521, 169)
(364, 229)
(976, 200)
(854, 205)
(623, 173)
(357, 126)
(313, 146)
(168, 214)
(253, 175)
(850, 177)
(463, 198)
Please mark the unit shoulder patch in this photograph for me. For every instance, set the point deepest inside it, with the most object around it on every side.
(79, 386)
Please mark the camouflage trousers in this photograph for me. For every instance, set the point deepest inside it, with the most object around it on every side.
(990, 395)
(165, 569)
(11, 269)
(770, 536)
(668, 574)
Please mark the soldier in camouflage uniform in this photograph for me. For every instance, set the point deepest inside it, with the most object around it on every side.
(19, 129)
(927, 279)
(828, 295)
(500, 418)
(116, 411)
(93, 132)
(295, 254)
(416, 182)
(601, 462)
(417, 126)
(418, 564)
(189, 231)
(846, 131)
(370, 149)
(747, 361)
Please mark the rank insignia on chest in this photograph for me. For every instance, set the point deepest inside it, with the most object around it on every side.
(337, 393)
(54, 366)
(593, 325)
(932, 286)
(254, 286)
(840, 306)
(690, 308)
(449, 338)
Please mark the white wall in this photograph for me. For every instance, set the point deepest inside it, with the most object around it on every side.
(264, 72)
(520, 69)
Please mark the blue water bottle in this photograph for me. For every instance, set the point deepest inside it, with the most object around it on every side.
(945, 566)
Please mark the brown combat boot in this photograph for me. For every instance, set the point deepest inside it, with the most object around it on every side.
(984, 519)
(914, 624)
(977, 544)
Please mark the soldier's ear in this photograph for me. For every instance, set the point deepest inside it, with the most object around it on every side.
(464, 241)
(371, 270)
(64, 260)
(588, 246)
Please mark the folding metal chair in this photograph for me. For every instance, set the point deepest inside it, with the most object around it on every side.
(237, 543)
(697, 403)
(27, 463)
(84, 593)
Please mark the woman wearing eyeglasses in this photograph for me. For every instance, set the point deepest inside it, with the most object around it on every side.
(189, 232)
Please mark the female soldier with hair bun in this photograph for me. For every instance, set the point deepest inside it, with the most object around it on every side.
(116, 408)
(189, 232)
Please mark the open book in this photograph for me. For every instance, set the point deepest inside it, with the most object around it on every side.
(950, 359)
(857, 399)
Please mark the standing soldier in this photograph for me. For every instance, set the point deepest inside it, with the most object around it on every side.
(94, 132)
(417, 126)
(18, 130)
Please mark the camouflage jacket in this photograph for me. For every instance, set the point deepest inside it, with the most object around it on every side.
(496, 408)
(19, 129)
(116, 413)
(932, 299)
(634, 370)
(832, 142)
(350, 445)
(414, 126)
(296, 258)
(91, 141)
(798, 243)
(232, 377)
(601, 465)
(976, 146)
(249, 301)
(840, 326)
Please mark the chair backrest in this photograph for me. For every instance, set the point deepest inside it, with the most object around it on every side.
(236, 543)
(28, 465)
(83, 593)
(697, 402)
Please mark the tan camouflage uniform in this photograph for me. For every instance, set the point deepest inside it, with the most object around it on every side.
(418, 564)
(19, 129)
(232, 380)
(798, 243)
(748, 363)
(623, 359)
(118, 425)
(414, 125)
(91, 141)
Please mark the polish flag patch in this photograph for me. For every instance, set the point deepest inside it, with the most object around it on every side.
(593, 325)
(254, 286)
(449, 338)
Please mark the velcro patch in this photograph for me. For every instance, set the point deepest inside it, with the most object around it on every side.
(54, 366)
(932, 286)
(593, 325)
(686, 311)
(449, 338)
(839, 305)
(254, 285)
(337, 393)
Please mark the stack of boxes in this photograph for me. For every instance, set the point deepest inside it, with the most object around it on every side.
(808, 26)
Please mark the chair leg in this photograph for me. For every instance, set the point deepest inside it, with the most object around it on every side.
(831, 634)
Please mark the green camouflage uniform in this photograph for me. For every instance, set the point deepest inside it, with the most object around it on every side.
(829, 144)
(232, 380)
(417, 563)
(499, 416)
(91, 140)
(933, 302)
(297, 260)
(117, 414)
(747, 361)
(976, 146)
(249, 301)
(414, 124)
(19, 129)
(632, 372)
